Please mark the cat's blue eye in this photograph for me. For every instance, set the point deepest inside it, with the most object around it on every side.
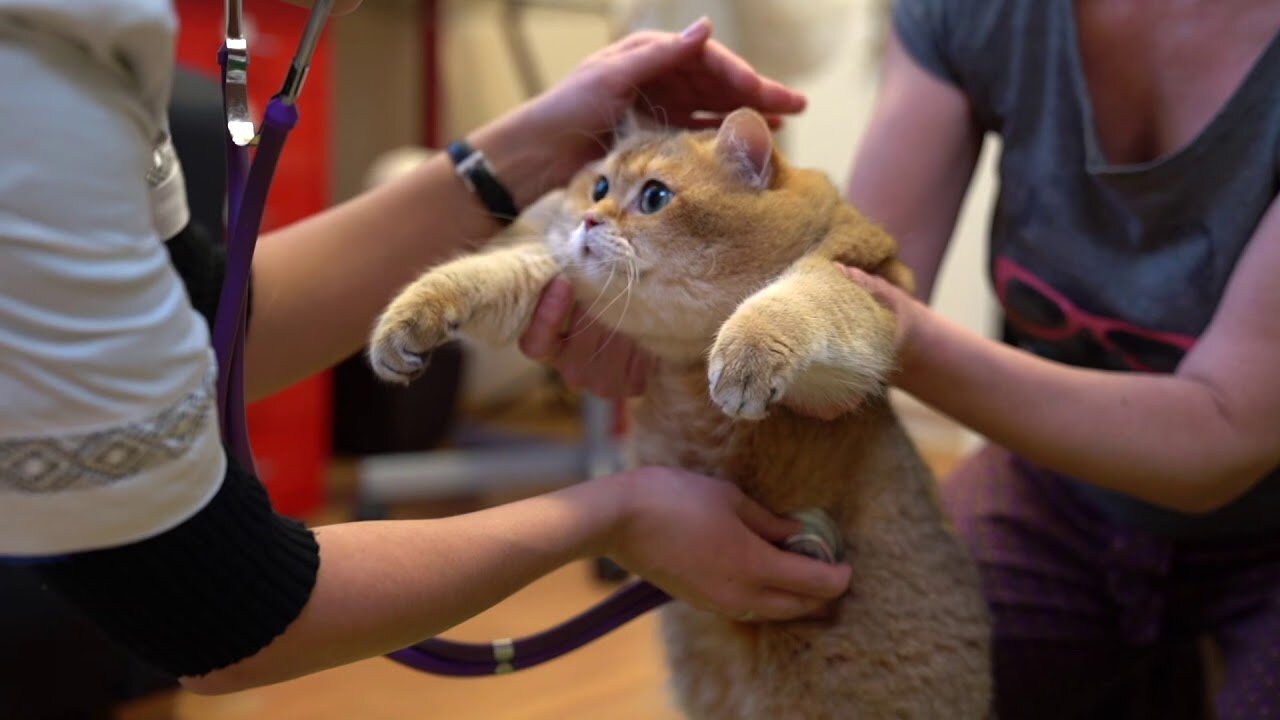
(654, 196)
(600, 189)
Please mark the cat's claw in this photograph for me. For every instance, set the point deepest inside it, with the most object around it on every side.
(395, 360)
(400, 351)
(744, 381)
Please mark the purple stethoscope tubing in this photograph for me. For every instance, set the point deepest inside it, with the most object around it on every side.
(446, 657)
(244, 218)
(248, 184)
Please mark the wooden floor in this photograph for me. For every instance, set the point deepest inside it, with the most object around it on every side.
(619, 677)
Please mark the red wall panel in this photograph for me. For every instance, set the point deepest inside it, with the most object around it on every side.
(290, 430)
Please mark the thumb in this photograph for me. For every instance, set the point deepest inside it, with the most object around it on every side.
(882, 291)
(764, 523)
(541, 340)
(856, 274)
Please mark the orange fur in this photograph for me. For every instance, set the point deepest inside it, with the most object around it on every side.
(733, 285)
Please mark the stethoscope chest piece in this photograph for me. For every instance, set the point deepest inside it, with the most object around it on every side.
(820, 539)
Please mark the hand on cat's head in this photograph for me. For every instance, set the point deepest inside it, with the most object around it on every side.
(686, 80)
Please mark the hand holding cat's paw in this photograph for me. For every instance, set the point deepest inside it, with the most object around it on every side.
(745, 376)
(405, 336)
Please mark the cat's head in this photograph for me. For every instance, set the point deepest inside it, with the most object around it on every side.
(665, 236)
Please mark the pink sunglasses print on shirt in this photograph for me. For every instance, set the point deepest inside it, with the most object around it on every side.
(1035, 308)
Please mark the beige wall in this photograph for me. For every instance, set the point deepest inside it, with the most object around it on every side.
(481, 80)
(378, 87)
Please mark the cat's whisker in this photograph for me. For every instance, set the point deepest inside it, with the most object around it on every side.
(657, 112)
(625, 291)
(633, 274)
(583, 265)
(613, 269)
(595, 317)
(513, 238)
(604, 146)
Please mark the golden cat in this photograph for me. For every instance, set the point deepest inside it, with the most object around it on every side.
(719, 258)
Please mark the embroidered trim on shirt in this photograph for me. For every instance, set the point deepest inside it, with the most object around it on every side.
(54, 464)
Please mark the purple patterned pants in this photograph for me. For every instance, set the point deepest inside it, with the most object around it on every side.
(1093, 620)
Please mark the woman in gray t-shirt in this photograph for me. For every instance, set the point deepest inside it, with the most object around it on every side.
(1129, 503)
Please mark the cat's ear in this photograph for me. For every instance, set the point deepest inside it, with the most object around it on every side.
(746, 145)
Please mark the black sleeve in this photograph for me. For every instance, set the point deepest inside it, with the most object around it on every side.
(206, 594)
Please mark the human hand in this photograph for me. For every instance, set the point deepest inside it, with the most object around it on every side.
(908, 314)
(907, 310)
(589, 355)
(685, 80)
(703, 541)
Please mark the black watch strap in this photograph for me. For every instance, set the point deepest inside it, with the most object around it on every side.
(473, 169)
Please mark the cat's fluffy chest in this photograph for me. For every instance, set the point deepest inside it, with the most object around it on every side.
(785, 461)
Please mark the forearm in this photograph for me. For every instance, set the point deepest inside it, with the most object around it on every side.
(385, 585)
(915, 162)
(1162, 438)
(319, 283)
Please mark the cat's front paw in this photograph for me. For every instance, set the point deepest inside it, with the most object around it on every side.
(745, 376)
(407, 333)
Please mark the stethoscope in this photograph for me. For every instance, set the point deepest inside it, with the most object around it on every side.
(247, 186)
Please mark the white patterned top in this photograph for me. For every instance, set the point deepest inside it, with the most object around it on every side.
(107, 428)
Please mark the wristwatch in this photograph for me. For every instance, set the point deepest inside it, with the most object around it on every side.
(473, 169)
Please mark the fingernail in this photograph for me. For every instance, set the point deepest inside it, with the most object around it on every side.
(695, 28)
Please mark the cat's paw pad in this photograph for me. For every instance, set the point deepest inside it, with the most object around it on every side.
(745, 378)
(401, 345)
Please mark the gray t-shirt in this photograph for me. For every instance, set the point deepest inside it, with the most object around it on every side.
(1138, 250)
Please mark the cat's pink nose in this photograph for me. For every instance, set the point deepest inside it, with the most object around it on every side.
(590, 220)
